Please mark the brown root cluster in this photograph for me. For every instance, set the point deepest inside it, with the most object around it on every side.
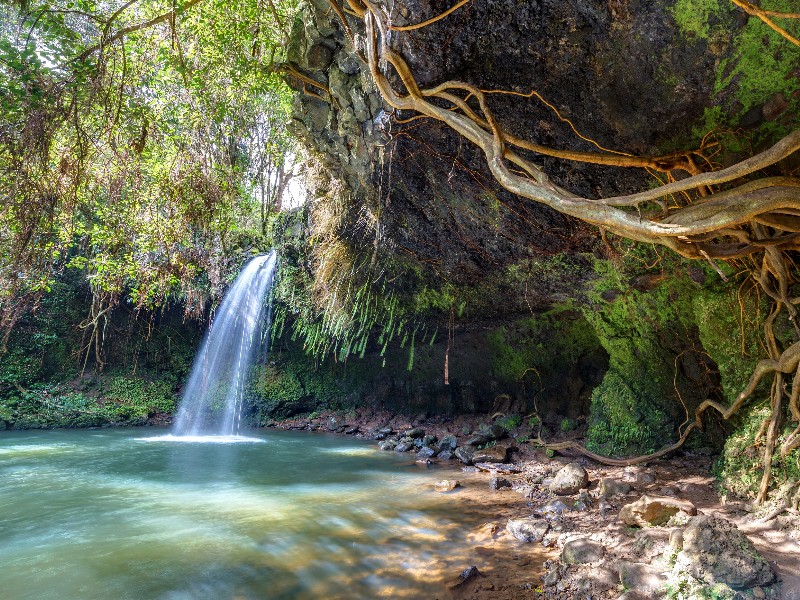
(727, 214)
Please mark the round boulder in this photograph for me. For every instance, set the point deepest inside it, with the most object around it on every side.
(569, 480)
(581, 551)
(528, 530)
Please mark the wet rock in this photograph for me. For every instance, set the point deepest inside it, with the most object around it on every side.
(650, 511)
(499, 483)
(610, 487)
(495, 454)
(332, 424)
(429, 440)
(446, 485)
(404, 447)
(464, 454)
(714, 550)
(469, 573)
(444, 455)
(386, 430)
(448, 443)
(426, 452)
(528, 530)
(351, 430)
(643, 578)
(415, 433)
(569, 480)
(379, 436)
(497, 432)
(478, 440)
(387, 445)
(581, 551)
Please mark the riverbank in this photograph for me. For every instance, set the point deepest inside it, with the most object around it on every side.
(561, 526)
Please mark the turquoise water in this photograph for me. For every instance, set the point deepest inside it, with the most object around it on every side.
(106, 514)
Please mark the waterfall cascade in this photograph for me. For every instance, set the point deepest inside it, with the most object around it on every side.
(212, 400)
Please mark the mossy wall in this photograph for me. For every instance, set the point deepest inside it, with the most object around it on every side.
(49, 377)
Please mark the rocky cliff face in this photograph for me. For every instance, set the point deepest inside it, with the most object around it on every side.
(633, 76)
(625, 74)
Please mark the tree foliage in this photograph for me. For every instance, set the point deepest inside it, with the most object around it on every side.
(127, 145)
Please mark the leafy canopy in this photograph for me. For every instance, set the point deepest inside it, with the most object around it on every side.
(127, 145)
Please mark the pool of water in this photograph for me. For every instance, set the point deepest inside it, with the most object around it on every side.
(111, 514)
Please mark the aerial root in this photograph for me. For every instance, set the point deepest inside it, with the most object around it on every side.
(725, 214)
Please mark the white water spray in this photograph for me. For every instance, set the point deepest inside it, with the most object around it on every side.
(212, 400)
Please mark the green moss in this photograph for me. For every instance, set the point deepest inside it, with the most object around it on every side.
(693, 16)
(762, 63)
(730, 333)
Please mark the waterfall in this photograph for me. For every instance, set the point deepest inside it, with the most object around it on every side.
(212, 400)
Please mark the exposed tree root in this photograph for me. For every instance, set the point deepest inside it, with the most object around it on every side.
(725, 214)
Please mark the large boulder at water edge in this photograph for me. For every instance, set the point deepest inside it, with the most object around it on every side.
(448, 443)
(528, 530)
(715, 551)
(495, 454)
(464, 454)
(569, 480)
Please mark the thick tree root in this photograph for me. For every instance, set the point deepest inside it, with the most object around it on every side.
(753, 216)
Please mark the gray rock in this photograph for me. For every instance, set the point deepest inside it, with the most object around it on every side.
(444, 455)
(348, 63)
(581, 551)
(464, 454)
(448, 443)
(498, 432)
(426, 452)
(645, 579)
(415, 433)
(569, 480)
(528, 530)
(478, 440)
(387, 445)
(495, 454)
(387, 430)
(556, 507)
(609, 487)
(499, 483)
(429, 440)
(404, 447)
(319, 57)
(714, 550)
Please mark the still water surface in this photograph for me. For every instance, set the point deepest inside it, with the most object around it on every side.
(104, 514)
